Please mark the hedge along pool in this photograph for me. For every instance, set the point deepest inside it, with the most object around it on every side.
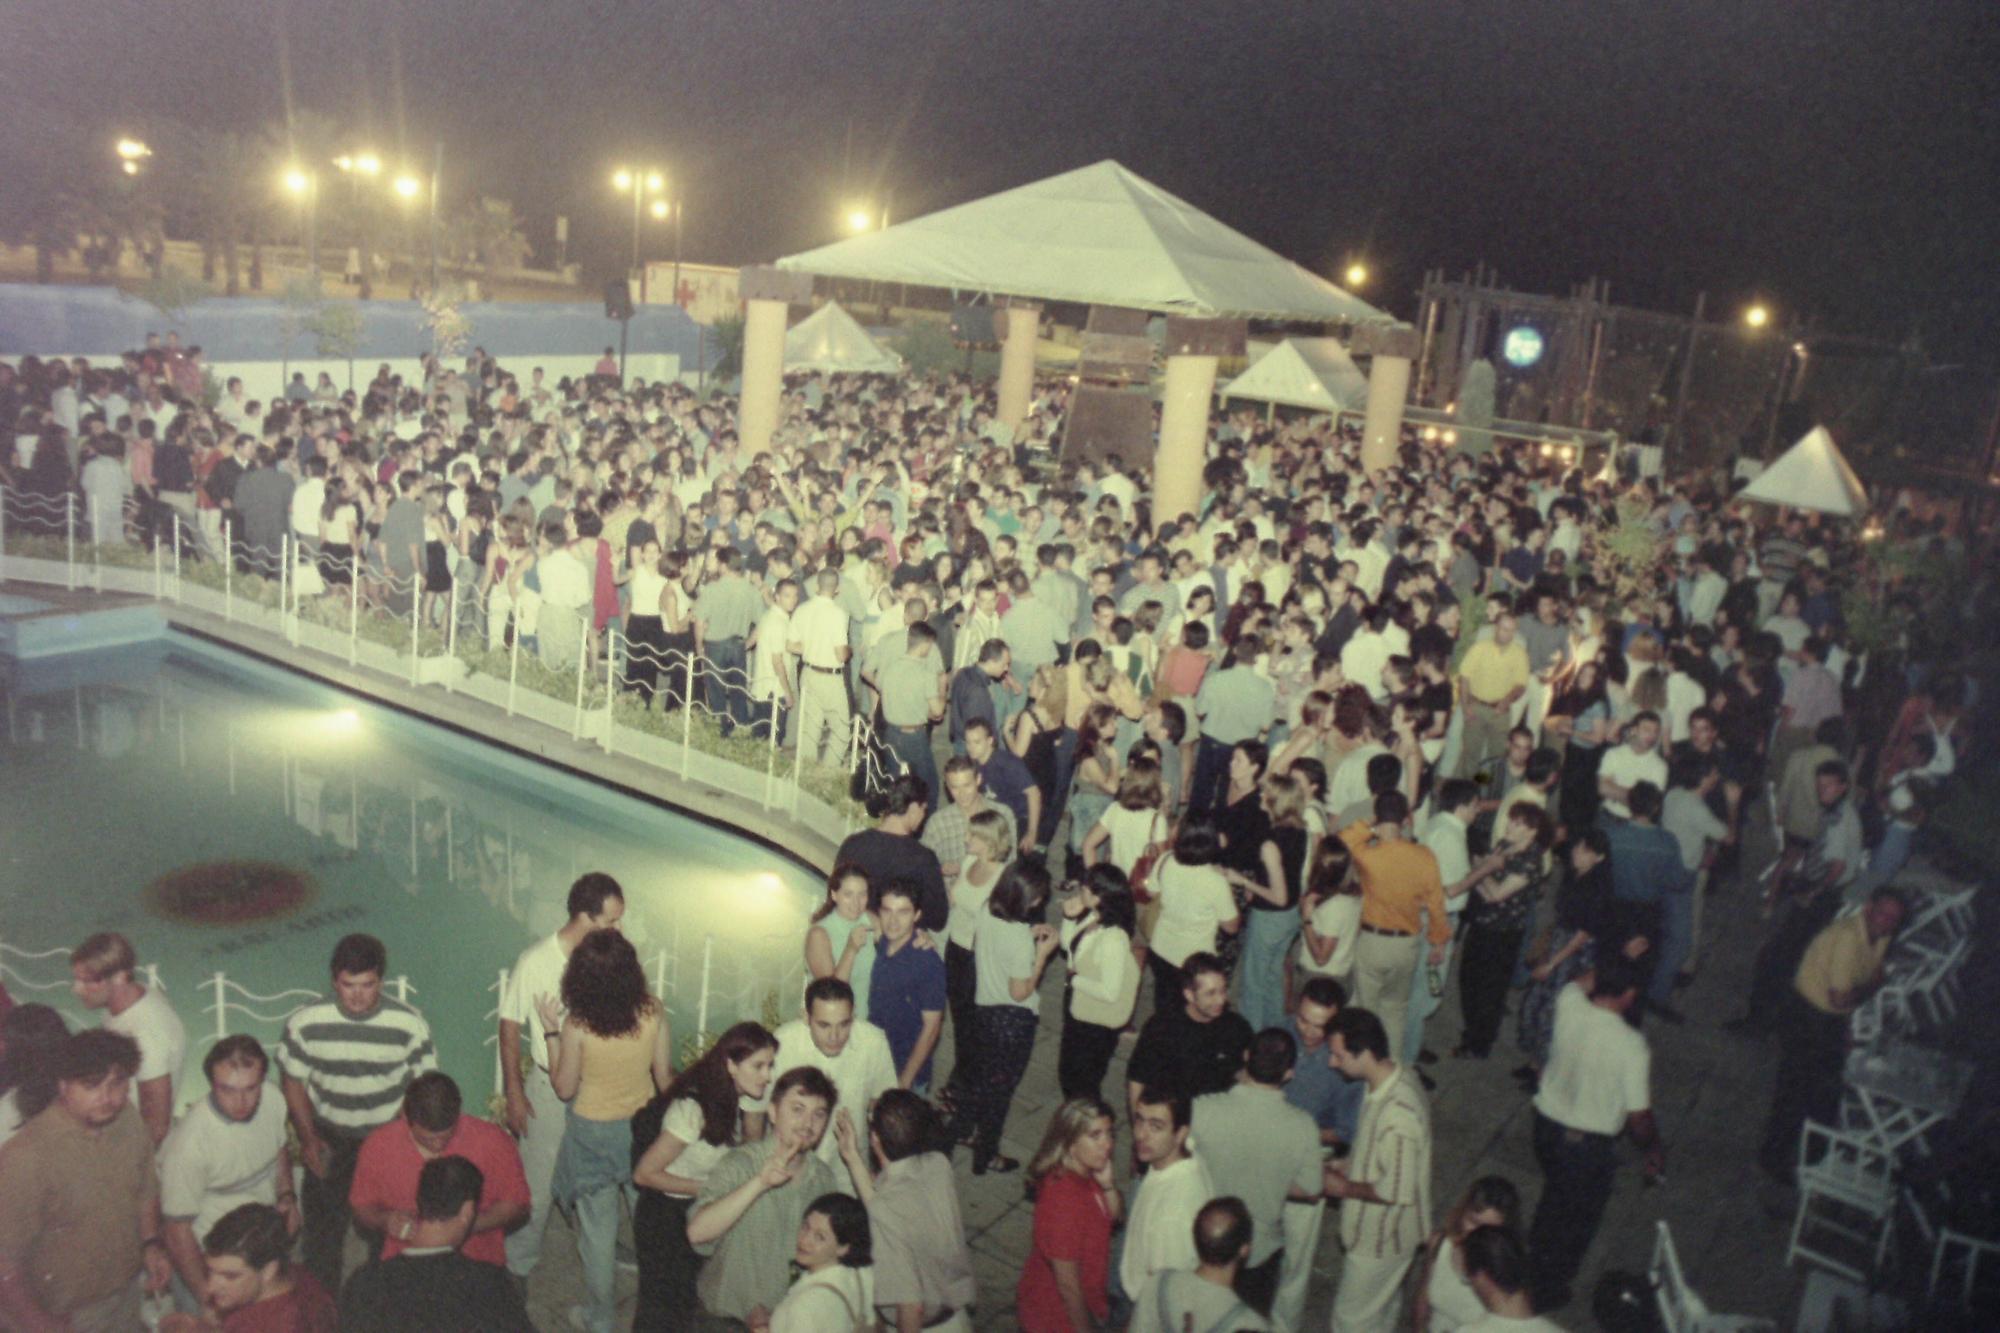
(232, 817)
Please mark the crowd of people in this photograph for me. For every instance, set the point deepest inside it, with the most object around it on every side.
(1290, 758)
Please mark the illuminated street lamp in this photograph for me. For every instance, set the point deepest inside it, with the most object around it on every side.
(408, 186)
(860, 220)
(639, 184)
(131, 152)
(1757, 316)
(1356, 275)
(304, 186)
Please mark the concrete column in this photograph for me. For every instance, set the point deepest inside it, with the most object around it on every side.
(763, 372)
(1017, 361)
(1183, 451)
(1391, 347)
(1382, 434)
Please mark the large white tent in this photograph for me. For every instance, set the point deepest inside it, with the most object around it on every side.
(1811, 474)
(1099, 235)
(1315, 373)
(831, 340)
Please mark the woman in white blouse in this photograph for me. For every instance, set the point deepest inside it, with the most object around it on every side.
(1196, 903)
(836, 1283)
(1096, 935)
(678, 1138)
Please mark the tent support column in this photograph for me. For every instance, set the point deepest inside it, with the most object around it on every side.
(1392, 349)
(767, 294)
(1018, 327)
(1194, 347)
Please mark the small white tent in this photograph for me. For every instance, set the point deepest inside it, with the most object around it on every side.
(829, 339)
(1810, 475)
(1315, 373)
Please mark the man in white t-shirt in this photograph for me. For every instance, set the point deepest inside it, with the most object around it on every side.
(534, 1112)
(772, 690)
(1626, 766)
(1596, 1087)
(1445, 832)
(1159, 1234)
(228, 1150)
(854, 1054)
(102, 971)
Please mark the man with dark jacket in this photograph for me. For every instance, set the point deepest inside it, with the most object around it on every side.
(430, 1287)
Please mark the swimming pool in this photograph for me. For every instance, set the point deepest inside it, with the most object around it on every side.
(234, 818)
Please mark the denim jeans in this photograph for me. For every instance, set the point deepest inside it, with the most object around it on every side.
(1268, 937)
(585, 1178)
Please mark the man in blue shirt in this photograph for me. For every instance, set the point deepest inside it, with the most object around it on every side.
(972, 690)
(906, 992)
(1333, 1100)
(1006, 778)
(1647, 871)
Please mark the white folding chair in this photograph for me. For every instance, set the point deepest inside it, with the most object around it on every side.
(1934, 992)
(1847, 1202)
(1956, 1260)
(1680, 1307)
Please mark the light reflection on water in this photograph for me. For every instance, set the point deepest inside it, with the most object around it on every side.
(117, 768)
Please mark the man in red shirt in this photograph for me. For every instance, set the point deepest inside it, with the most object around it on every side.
(384, 1194)
(252, 1288)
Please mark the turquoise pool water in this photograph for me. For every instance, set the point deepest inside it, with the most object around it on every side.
(127, 777)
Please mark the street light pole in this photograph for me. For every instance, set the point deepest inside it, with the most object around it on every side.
(437, 175)
(677, 252)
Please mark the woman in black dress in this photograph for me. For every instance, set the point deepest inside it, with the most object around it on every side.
(1035, 736)
(1243, 825)
(1497, 921)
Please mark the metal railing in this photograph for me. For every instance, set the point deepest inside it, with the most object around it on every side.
(679, 712)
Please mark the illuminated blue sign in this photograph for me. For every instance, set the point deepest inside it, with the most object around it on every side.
(1522, 346)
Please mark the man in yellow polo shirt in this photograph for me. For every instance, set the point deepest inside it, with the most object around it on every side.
(1841, 968)
(1491, 679)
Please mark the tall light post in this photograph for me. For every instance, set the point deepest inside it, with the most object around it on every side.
(354, 167)
(639, 184)
(303, 185)
(662, 210)
(132, 154)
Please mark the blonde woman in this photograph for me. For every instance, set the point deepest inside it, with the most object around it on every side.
(1273, 898)
(1064, 1284)
(987, 851)
(1097, 773)
(1034, 736)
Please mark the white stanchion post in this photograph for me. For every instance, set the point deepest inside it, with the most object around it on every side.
(228, 577)
(499, 1054)
(221, 984)
(284, 576)
(799, 756)
(69, 541)
(156, 570)
(771, 757)
(853, 743)
(582, 670)
(96, 544)
(177, 557)
(451, 627)
(513, 669)
(416, 623)
(660, 974)
(687, 716)
(354, 609)
(701, 1012)
(611, 684)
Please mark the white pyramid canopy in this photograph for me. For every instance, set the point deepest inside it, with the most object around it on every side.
(1315, 373)
(830, 339)
(1810, 475)
(1099, 235)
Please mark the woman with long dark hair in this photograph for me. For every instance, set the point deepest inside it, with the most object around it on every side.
(1497, 922)
(1272, 895)
(29, 1038)
(1009, 956)
(611, 1051)
(1096, 934)
(1097, 773)
(677, 1139)
(1065, 1283)
(1196, 905)
(840, 942)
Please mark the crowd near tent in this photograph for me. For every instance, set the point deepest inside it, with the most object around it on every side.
(1811, 474)
(1315, 373)
(1099, 235)
(830, 339)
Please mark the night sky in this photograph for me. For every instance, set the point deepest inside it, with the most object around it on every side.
(1841, 159)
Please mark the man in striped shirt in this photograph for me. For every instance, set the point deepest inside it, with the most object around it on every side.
(346, 1063)
(1385, 1190)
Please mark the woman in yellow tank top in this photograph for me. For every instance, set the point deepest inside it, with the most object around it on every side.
(609, 1052)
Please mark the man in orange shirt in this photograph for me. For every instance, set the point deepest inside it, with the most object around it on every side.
(1402, 893)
